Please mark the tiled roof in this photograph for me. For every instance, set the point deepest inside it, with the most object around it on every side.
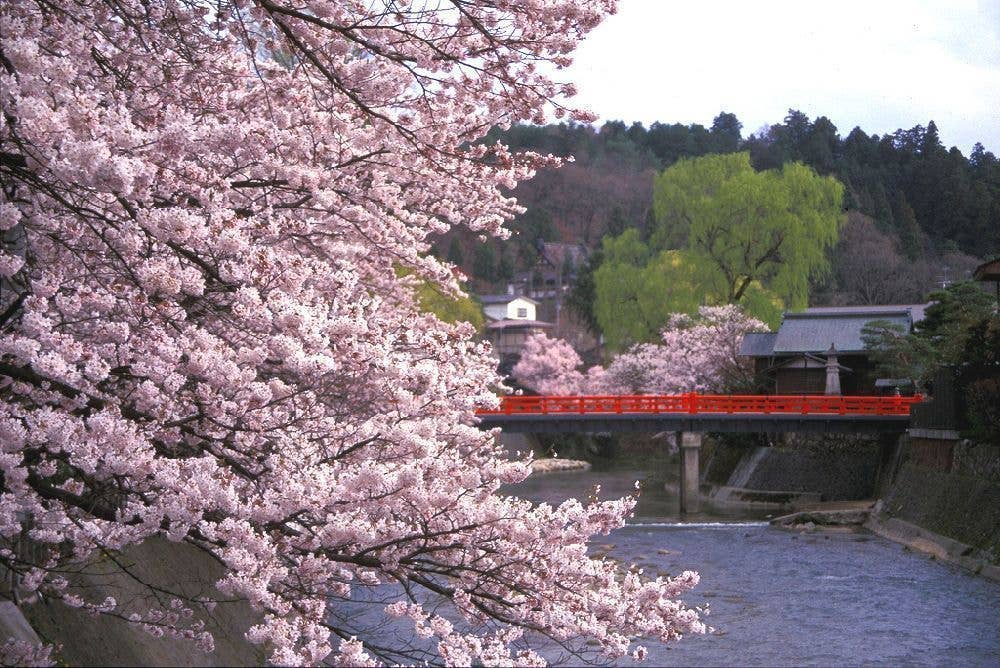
(815, 330)
(758, 344)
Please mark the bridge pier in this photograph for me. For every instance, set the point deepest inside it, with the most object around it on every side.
(690, 449)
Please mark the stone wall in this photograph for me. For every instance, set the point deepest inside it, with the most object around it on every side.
(836, 467)
(932, 453)
(836, 476)
(981, 460)
(965, 508)
(107, 641)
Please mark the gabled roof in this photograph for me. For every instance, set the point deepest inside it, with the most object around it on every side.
(815, 330)
(504, 299)
(988, 271)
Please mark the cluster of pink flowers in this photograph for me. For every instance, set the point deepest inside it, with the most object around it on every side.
(697, 354)
(203, 336)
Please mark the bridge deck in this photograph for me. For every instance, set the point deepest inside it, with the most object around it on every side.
(700, 412)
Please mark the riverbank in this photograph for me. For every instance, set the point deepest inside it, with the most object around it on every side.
(782, 597)
(945, 507)
(865, 516)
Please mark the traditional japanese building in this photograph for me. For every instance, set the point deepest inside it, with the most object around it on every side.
(989, 272)
(820, 350)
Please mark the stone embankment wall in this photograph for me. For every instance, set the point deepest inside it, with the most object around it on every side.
(835, 467)
(940, 496)
(83, 640)
(960, 502)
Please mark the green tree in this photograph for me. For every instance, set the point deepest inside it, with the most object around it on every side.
(636, 290)
(505, 266)
(725, 132)
(951, 334)
(742, 227)
(484, 262)
(447, 307)
(455, 254)
(582, 294)
(617, 222)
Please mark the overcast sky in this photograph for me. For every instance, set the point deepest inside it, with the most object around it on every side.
(878, 64)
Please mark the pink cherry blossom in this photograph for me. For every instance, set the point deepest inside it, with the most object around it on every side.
(204, 338)
(697, 354)
(549, 366)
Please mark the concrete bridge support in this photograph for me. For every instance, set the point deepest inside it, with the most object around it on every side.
(690, 449)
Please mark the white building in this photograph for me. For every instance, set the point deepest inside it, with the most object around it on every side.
(509, 307)
(512, 319)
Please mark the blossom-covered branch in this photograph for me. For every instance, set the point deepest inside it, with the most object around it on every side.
(203, 334)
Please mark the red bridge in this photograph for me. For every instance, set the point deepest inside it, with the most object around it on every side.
(701, 412)
(695, 404)
(692, 414)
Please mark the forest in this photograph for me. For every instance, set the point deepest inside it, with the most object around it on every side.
(918, 215)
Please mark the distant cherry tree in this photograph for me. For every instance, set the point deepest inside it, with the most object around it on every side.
(205, 335)
(698, 354)
(550, 366)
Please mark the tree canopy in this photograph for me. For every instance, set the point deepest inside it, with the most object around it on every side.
(741, 226)
(203, 337)
(933, 206)
(724, 233)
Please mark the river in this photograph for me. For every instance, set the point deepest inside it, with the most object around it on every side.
(783, 598)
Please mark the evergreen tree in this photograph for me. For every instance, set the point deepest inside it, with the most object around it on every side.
(455, 254)
(484, 263)
(725, 133)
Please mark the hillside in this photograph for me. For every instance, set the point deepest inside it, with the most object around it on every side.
(918, 214)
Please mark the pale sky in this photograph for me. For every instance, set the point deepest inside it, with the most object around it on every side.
(879, 64)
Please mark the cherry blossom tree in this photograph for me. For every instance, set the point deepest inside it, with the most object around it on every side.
(550, 366)
(204, 335)
(698, 354)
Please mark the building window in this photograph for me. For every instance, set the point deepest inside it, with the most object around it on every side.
(522, 313)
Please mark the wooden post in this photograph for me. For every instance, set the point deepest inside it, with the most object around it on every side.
(690, 448)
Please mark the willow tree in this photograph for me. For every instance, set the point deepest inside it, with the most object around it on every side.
(636, 290)
(741, 228)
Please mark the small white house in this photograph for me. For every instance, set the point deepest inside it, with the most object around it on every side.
(509, 307)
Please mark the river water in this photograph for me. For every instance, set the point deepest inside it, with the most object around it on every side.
(783, 598)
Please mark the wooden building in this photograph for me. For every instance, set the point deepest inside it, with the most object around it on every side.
(511, 319)
(820, 350)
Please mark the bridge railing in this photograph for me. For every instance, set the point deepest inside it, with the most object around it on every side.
(693, 403)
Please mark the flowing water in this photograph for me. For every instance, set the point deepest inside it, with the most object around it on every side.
(783, 598)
